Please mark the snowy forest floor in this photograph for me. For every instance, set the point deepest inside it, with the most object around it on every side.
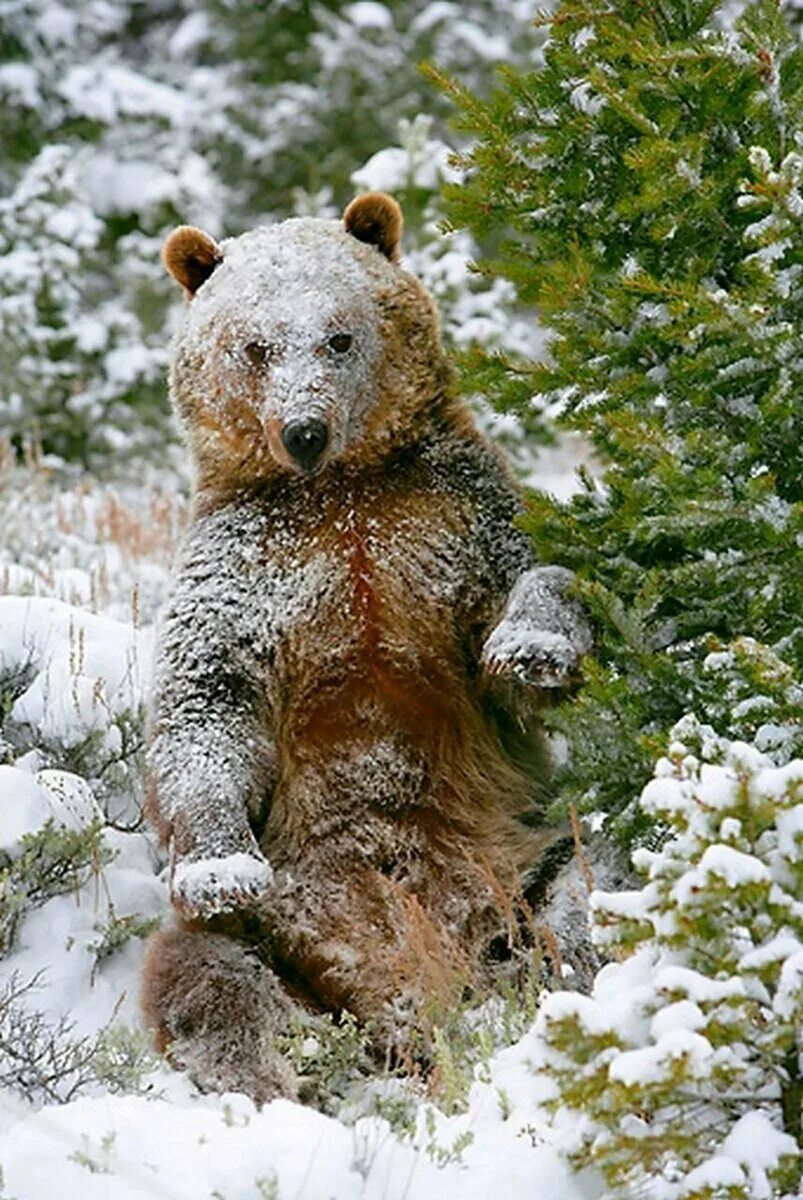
(85, 1107)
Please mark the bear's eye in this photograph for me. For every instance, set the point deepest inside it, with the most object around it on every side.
(258, 353)
(340, 343)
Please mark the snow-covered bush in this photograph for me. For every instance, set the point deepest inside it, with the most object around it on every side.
(82, 568)
(683, 1072)
(73, 687)
(78, 374)
(43, 1061)
(76, 898)
(96, 161)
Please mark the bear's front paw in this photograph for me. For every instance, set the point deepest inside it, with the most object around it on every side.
(208, 886)
(539, 657)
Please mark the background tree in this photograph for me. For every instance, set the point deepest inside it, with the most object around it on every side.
(225, 114)
(644, 185)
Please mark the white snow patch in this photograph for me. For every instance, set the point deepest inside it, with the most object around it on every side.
(84, 669)
(368, 15)
(735, 868)
(756, 1145)
(648, 1065)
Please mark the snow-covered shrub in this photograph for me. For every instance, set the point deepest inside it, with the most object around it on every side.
(43, 1061)
(73, 896)
(78, 374)
(83, 567)
(49, 861)
(73, 690)
(683, 1070)
(96, 162)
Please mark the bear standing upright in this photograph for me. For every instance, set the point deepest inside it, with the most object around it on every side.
(345, 769)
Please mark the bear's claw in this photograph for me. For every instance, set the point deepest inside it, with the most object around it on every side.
(543, 633)
(536, 656)
(209, 886)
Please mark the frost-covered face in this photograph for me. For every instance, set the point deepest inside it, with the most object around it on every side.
(284, 347)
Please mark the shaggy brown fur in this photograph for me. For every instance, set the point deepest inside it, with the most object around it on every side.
(326, 702)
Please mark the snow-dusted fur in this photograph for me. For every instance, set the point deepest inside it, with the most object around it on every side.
(343, 742)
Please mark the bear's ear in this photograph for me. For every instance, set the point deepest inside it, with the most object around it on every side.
(190, 256)
(376, 218)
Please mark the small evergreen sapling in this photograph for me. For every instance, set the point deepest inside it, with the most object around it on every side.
(684, 1066)
(644, 183)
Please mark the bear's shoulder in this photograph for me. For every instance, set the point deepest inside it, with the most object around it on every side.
(461, 461)
(462, 466)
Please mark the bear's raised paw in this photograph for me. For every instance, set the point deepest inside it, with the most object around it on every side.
(543, 632)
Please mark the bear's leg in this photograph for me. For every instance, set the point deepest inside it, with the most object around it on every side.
(364, 943)
(215, 1009)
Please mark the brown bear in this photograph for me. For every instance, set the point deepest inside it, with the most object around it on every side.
(345, 766)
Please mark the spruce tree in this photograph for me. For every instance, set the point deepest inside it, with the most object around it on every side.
(681, 1075)
(643, 183)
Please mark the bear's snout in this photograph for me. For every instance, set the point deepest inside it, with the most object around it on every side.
(305, 441)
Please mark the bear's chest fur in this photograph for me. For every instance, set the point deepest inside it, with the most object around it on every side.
(356, 600)
(355, 582)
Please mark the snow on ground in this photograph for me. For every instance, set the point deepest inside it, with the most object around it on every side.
(131, 1148)
(82, 571)
(80, 670)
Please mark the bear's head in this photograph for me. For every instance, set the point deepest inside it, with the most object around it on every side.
(303, 344)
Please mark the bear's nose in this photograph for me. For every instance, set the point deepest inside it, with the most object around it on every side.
(305, 441)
